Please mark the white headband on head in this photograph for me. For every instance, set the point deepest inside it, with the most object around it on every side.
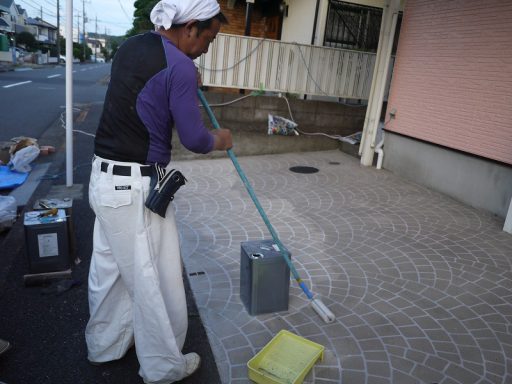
(168, 12)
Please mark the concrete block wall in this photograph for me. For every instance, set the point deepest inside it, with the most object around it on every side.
(6, 57)
(475, 181)
(248, 120)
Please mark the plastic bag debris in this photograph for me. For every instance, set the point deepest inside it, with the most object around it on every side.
(353, 139)
(8, 212)
(21, 142)
(23, 152)
(20, 161)
(278, 125)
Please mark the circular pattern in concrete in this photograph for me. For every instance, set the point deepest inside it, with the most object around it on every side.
(419, 283)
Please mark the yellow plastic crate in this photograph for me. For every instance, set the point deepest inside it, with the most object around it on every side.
(286, 359)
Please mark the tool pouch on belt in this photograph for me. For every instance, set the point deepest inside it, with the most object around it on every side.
(163, 187)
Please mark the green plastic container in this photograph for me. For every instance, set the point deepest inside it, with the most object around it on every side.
(4, 43)
(286, 359)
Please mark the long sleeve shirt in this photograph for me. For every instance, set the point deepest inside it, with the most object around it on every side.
(153, 87)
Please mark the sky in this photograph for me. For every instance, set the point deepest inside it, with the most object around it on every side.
(115, 17)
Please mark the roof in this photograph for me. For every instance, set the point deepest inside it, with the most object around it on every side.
(5, 5)
(3, 23)
(19, 9)
(39, 22)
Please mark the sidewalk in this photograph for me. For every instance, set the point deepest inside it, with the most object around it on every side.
(419, 283)
(6, 67)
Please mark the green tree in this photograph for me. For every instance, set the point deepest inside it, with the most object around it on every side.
(78, 52)
(27, 39)
(142, 22)
(105, 53)
(62, 43)
(114, 47)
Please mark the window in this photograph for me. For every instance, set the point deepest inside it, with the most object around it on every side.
(354, 26)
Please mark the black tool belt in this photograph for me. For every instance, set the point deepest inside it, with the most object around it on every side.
(162, 189)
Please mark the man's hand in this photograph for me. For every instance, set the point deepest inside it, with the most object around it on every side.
(223, 139)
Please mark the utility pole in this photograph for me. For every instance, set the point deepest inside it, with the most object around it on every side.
(106, 40)
(84, 20)
(96, 43)
(69, 93)
(41, 12)
(78, 28)
(58, 31)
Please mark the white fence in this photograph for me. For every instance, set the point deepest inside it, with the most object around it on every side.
(254, 63)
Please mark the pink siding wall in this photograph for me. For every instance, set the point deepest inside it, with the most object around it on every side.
(452, 82)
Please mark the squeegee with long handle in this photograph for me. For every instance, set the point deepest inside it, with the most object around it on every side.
(319, 307)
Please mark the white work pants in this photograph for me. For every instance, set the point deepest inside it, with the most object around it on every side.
(136, 289)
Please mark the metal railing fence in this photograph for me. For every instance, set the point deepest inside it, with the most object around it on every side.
(251, 63)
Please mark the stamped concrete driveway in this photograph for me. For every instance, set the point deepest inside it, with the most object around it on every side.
(420, 284)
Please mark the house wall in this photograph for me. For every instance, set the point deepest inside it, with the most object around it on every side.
(452, 92)
(20, 19)
(452, 82)
(10, 18)
(298, 25)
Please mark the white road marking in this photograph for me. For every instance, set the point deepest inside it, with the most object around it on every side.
(16, 84)
(52, 76)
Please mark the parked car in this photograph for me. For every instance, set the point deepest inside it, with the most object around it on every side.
(62, 59)
(97, 59)
(20, 52)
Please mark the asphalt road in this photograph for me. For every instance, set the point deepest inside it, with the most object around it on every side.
(31, 100)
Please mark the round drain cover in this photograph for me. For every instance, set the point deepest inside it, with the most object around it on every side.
(302, 169)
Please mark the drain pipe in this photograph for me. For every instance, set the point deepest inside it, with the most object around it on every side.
(508, 220)
(378, 149)
(380, 152)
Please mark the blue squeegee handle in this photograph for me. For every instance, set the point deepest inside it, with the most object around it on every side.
(256, 201)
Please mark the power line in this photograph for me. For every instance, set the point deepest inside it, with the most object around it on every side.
(113, 22)
(33, 8)
(38, 8)
(53, 4)
(124, 11)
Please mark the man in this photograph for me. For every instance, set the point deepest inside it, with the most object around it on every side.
(136, 293)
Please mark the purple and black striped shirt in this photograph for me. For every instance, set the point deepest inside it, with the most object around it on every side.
(153, 87)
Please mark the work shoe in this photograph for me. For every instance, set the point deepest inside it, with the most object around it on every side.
(192, 363)
(5, 346)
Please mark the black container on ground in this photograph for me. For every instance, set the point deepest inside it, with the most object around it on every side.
(46, 240)
(264, 277)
